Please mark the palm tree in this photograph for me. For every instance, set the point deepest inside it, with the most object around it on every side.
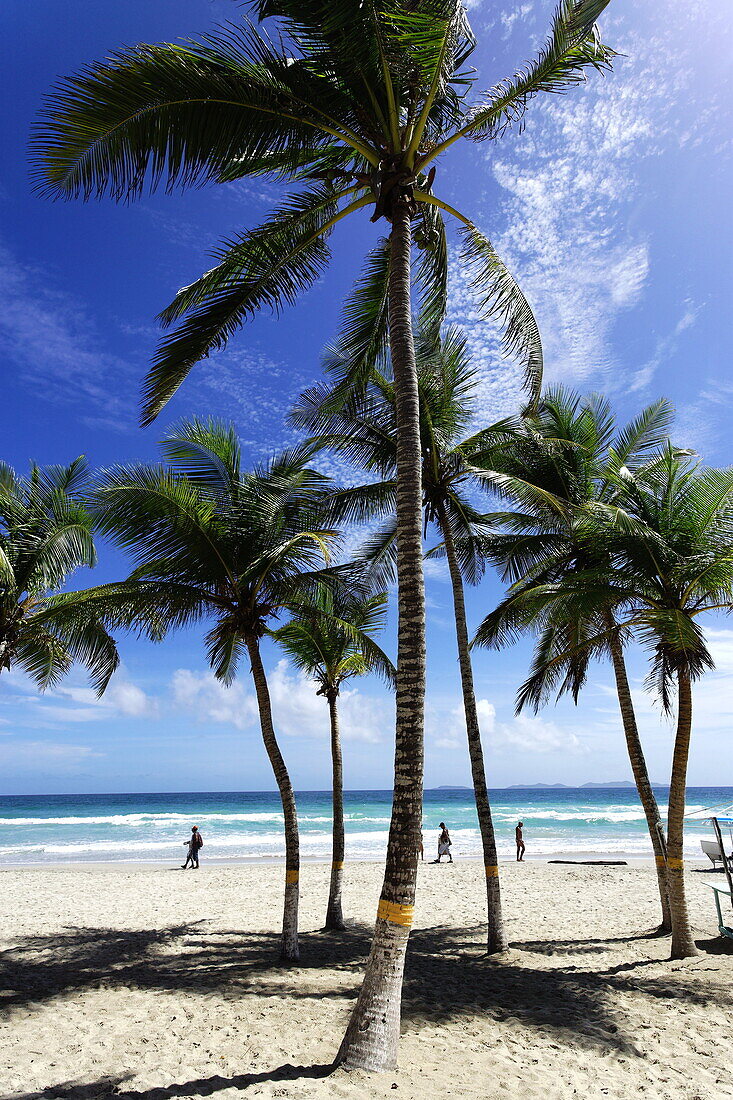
(46, 533)
(359, 100)
(365, 431)
(670, 571)
(331, 638)
(669, 561)
(230, 548)
(562, 473)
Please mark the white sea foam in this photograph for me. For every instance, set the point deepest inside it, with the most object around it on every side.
(148, 819)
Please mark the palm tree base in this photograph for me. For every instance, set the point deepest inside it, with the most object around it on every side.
(372, 1037)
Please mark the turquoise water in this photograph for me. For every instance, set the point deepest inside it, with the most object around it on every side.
(248, 825)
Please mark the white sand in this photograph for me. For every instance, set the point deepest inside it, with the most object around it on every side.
(148, 984)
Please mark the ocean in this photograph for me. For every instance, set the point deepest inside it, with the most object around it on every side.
(248, 825)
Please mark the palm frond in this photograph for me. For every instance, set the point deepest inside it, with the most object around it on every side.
(268, 266)
(499, 297)
(574, 46)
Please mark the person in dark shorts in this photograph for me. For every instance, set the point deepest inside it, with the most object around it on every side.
(520, 841)
(196, 842)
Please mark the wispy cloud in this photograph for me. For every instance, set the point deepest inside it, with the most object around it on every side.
(59, 351)
(52, 757)
(571, 184)
(666, 345)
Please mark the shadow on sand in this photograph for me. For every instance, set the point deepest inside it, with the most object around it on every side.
(446, 976)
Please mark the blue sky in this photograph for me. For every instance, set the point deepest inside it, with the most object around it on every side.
(612, 207)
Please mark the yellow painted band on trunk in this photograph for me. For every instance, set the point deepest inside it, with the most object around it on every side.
(291, 878)
(675, 864)
(395, 913)
(337, 864)
(661, 861)
(491, 871)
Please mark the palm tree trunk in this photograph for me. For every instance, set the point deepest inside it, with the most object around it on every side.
(683, 945)
(372, 1036)
(638, 767)
(496, 937)
(334, 915)
(289, 951)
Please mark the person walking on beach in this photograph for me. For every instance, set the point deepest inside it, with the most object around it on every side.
(194, 844)
(520, 841)
(444, 844)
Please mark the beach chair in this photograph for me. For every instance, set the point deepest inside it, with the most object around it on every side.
(719, 889)
(712, 850)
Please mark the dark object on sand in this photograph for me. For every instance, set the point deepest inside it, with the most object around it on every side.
(592, 862)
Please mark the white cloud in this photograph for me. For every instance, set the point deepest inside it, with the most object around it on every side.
(300, 712)
(665, 347)
(530, 734)
(508, 19)
(297, 710)
(210, 701)
(450, 733)
(704, 423)
(70, 704)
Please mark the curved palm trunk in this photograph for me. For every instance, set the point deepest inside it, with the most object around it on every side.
(289, 951)
(638, 767)
(683, 945)
(372, 1036)
(495, 935)
(334, 915)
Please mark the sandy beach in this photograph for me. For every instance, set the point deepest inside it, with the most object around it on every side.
(148, 983)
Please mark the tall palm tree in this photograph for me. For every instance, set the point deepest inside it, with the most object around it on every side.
(218, 545)
(561, 473)
(46, 533)
(364, 430)
(331, 638)
(359, 100)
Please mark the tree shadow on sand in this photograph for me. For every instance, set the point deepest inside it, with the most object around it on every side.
(108, 1087)
(447, 976)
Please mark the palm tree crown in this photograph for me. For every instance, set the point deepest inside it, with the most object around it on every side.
(563, 473)
(358, 100)
(212, 542)
(46, 533)
(331, 638)
(364, 430)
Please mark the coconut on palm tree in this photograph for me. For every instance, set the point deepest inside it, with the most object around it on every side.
(226, 548)
(364, 431)
(562, 472)
(331, 639)
(359, 101)
(46, 533)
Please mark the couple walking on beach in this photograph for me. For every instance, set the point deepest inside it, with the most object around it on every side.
(444, 843)
(196, 842)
